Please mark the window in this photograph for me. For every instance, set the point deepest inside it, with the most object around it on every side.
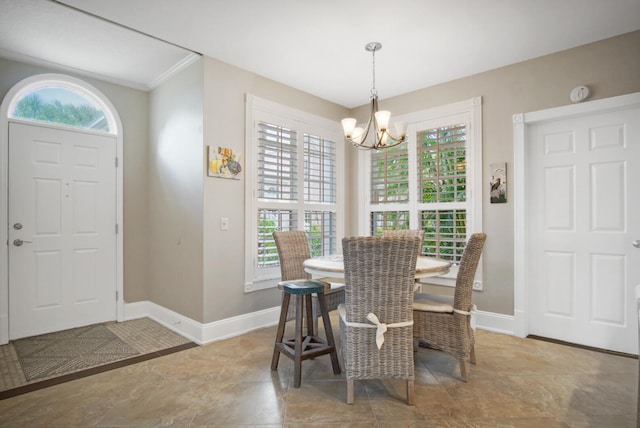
(295, 186)
(390, 175)
(432, 182)
(56, 102)
(442, 190)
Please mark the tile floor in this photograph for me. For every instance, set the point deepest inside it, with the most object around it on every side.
(516, 383)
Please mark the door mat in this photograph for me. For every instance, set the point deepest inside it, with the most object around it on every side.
(70, 350)
(40, 361)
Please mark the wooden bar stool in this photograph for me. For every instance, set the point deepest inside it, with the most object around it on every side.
(302, 347)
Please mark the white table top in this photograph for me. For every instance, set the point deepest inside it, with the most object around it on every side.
(333, 266)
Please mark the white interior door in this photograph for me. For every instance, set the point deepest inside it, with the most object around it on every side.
(62, 237)
(584, 216)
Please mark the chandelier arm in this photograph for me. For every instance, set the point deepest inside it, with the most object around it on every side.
(372, 115)
(400, 138)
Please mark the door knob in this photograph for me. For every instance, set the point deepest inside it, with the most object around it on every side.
(636, 243)
(19, 242)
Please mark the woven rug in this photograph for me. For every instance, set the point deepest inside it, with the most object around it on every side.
(70, 350)
(61, 356)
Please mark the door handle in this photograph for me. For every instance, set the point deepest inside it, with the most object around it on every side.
(19, 242)
(636, 243)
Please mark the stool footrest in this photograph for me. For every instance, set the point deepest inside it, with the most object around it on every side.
(312, 346)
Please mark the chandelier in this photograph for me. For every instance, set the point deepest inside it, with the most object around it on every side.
(381, 138)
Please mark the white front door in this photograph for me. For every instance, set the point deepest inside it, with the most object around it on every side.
(584, 212)
(62, 237)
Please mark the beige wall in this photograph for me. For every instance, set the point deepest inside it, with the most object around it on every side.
(175, 193)
(133, 107)
(175, 253)
(610, 67)
(224, 111)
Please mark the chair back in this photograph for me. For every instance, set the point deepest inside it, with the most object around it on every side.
(404, 232)
(467, 271)
(379, 277)
(293, 250)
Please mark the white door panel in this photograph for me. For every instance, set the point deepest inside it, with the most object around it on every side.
(585, 187)
(62, 186)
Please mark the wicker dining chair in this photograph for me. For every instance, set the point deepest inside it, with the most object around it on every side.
(408, 232)
(404, 232)
(379, 275)
(444, 322)
(293, 250)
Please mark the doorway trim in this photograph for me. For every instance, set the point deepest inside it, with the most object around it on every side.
(9, 99)
(521, 124)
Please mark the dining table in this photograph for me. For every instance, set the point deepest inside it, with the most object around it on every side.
(333, 266)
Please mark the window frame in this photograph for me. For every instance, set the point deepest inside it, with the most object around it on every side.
(467, 111)
(53, 81)
(260, 110)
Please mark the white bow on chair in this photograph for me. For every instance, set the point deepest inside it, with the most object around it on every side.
(381, 328)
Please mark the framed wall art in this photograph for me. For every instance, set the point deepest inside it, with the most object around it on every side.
(498, 182)
(223, 162)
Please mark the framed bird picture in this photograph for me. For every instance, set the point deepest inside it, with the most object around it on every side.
(498, 182)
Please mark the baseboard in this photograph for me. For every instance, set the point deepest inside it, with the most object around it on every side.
(182, 325)
(498, 323)
(198, 332)
(521, 328)
(236, 326)
(4, 329)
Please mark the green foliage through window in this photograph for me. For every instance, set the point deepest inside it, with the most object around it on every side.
(35, 107)
(269, 222)
(320, 227)
(442, 164)
(388, 220)
(445, 233)
(390, 175)
(441, 196)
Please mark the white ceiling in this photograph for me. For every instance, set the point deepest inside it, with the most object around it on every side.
(315, 46)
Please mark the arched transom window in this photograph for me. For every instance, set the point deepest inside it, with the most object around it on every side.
(62, 103)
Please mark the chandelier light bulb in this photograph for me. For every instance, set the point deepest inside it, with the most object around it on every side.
(382, 117)
(400, 129)
(357, 135)
(348, 125)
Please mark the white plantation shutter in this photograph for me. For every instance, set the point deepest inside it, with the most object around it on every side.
(389, 220)
(442, 190)
(277, 162)
(426, 182)
(445, 233)
(281, 220)
(442, 164)
(321, 232)
(390, 175)
(294, 172)
(319, 169)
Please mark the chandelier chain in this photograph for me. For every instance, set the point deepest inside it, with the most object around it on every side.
(374, 91)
